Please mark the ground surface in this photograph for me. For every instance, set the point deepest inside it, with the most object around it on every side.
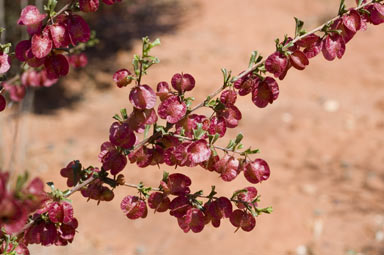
(323, 139)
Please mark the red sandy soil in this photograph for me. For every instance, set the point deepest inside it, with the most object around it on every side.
(323, 139)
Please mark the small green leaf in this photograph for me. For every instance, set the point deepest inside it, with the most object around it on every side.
(360, 3)
(165, 176)
(21, 180)
(124, 113)
(299, 27)
(342, 9)
(117, 117)
(239, 137)
(252, 59)
(147, 128)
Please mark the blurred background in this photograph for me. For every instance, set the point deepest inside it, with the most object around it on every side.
(323, 138)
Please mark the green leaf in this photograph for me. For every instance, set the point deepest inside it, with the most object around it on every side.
(252, 59)
(299, 27)
(147, 128)
(165, 176)
(124, 113)
(360, 3)
(239, 137)
(342, 9)
(199, 131)
(21, 180)
(117, 117)
(51, 185)
(230, 145)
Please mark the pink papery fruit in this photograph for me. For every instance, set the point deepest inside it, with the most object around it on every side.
(276, 64)
(218, 209)
(246, 84)
(56, 66)
(265, 93)
(228, 97)
(376, 11)
(190, 122)
(41, 45)
(30, 15)
(142, 97)
(243, 220)
(59, 35)
(217, 126)
(179, 206)
(120, 134)
(183, 82)
(198, 152)
(122, 78)
(89, 5)
(333, 46)
(176, 184)
(257, 171)
(78, 60)
(312, 45)
(158, 201)
(111, 158)
(162, 90)
(298, 60)
(72, 171)
(134, 207)
(172, 109)
(5, 63)
(228, 167)
(21, 50)
(142, 156)
(16, 92)
(193, 220)
(78, 29)
(232, 115)
(247, 197)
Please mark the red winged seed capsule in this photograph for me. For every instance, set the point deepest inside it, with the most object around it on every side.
(78, 60)
(142, 156)
(162, 90)
(21, 50)
(111, 158)
(179, 206)
(228, 167)
(138, 119)
(56, 66)
(120, 134)
(243, 220)
(176, 184)
(72, 171)
(78, 29)
(41, 45)
(89, 5)
(183, 82)
(159, 201)
(142, 97)
(276, 64)
(134, 207)
(218, 209)
(217, 126)
(333, 46)
(298, 60)
(232, 115)
(256, 171)
(247, 197)
(16, 93)
(192, 220)
(228, 97)
(30, 15)
(3, 103)
(172, 109)
(5, 63)
(198, 152)
(246, 84)
(266, 92)
(377, 13)
(59, 35)
(122, 78)
(312, 45)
